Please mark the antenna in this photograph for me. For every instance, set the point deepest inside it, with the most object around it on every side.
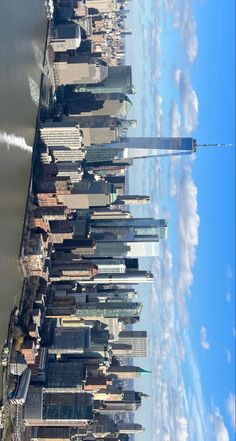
(213, 145)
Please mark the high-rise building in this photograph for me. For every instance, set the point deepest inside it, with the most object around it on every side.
(86, 194)
(102, 5)
(57, 409)
(129, 427)
(79, 69)
(66, 36)
(66, 376)
(127, 278)
(99, 129)
(154, 146)
(138, 341)
(118, 80)
(61, 134)
(130, 402)
(126, 372)
(129, 230)
(112, 104)
(89, 311)
(70, 340)
(127, 237)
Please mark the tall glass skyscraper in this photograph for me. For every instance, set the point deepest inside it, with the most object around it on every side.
(158, 143)
(127, 237)
(130, 230)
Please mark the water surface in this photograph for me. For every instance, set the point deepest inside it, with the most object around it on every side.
(22, 37)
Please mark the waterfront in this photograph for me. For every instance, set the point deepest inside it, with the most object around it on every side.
(22, 35)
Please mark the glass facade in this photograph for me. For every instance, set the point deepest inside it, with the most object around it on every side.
(109, 310)
(130, 230)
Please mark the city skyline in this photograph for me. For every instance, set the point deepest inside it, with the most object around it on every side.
(125, 255)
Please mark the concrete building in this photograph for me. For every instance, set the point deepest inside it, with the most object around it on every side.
(82, 69)
(88, 194)
(65, 37)
(138, 342)
(126, 372)
(22, 388)
(29, 351)
(118, 80)
(70, 341)
(112, 104)
(102, 5)
(66, 133)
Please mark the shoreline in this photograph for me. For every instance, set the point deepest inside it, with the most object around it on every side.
(20, 298)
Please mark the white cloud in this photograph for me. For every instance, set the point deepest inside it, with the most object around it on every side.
(188, 223)
(203, 338)
(221, 431)
(175, 126)
(177, 73)
(181, 429)
(230, 407)
(159, 114)
(175, 119)
(229, 274)
(189, 101)
(188, 32)
(184, 20)
(228, 297)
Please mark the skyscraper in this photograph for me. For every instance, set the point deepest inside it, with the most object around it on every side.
(145, 147)
(127, 237)
(130, 230)
(126, 372)
(158, 143)
(138, 342)
(118, 80)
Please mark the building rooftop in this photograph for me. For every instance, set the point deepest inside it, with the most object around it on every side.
(65, 374)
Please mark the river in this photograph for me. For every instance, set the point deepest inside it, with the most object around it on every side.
(22, 38)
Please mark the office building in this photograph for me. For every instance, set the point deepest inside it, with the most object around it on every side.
(94, 104)
(88, 311)
(70, 341)
(127, 237)
(118, 80)
(99, 129)
(127, 278)
(66, 133)
(78, 69)
(68, 376)
(102, 5)
(129, 230)
(65, 36)
(129, 427)
(138, 341)
(130, 402)
(57, 409)
(86, 194)
(155, 146)
(126, 372)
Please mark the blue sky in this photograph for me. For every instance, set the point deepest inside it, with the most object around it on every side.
(183, 60)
